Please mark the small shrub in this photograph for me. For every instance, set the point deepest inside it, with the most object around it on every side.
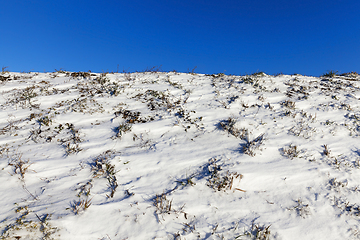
(60, 71)
(10, 128)
(192, 72)
(131, 116)
(20, 166)
(302, 129)
(85, 188)
(82, 104)
(219, 181)
(290, 151)
(257, 232)
(259, 74)
(164, 206)
(24, 98)
(71, 144)
(3, 70)
(45, 121)
(229, 126)
(250, 146)
(154, 69)
(102, 79)
(337, 185)
(129, 76)
(186, 121)
(79, 206)
(121, 129)
(330, 74)
(174, 84)
(5, 78)
(23, 228)
(326, 151)
(102, 167)
(112, 184)
(346, 207)
(288, 104)
(299, 91)
(4, 149)
(79, 74)
(302, 209)
(187, 181)
(71, 148)
(251, 80)
(217, 75)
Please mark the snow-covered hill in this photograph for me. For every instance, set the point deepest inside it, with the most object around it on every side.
(167, 155)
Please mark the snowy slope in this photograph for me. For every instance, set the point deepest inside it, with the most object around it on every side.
(167, 155)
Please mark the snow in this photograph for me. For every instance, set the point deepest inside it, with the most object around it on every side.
(167, 155)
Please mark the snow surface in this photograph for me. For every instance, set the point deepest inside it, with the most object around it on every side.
(167, 155)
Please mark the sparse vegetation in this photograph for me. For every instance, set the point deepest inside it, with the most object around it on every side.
(24, 98)
(29, 229)
(346, 207)
(55, 127)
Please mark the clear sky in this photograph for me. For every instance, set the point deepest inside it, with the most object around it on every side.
(309, 37)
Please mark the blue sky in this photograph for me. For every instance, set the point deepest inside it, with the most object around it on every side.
(234, 37)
